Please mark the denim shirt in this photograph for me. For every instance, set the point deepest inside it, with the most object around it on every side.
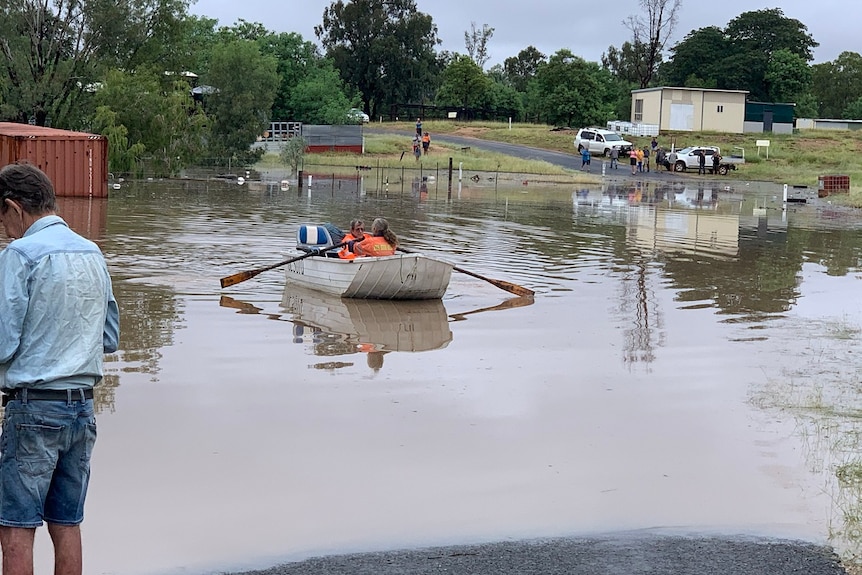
(58, 315)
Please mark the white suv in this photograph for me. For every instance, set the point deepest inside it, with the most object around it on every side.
(601, 141)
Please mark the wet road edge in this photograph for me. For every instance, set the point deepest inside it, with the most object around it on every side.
(623, 554)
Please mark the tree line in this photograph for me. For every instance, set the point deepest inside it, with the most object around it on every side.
(174, 89)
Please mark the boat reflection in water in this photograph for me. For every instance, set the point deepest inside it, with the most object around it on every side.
(335, 326)
(339, 326)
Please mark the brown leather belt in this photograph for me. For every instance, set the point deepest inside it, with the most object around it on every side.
(79, 394)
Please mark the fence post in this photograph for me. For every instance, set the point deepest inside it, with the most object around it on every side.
(449, 195)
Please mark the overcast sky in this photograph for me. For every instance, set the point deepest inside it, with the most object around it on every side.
(587, 29)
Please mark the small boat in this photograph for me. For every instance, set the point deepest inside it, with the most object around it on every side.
(403, 276)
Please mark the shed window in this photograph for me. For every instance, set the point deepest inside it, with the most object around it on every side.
(639, 110)
(719, 108)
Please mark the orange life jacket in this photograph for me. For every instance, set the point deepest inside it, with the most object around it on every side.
(374, 246)
(345, 253)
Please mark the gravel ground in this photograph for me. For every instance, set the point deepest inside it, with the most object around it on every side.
(625, 554)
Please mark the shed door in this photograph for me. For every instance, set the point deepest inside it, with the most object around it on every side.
(682, 117)
(767, 121)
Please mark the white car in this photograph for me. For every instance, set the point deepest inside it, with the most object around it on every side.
(601, 141)
(357, 116)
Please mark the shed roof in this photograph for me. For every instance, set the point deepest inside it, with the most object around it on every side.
(690, 89)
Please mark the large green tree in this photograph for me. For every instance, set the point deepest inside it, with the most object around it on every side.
(837, 84)
(310, 89)
(756, 51)
(520, 69)
(53, 50)
(574, 92)
(246, 82)
(382, 48)
(698, 60)
(758, 35)
(464, 85)
(152, 112)
(788, 76)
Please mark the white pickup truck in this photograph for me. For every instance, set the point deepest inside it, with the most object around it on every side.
(689, 159)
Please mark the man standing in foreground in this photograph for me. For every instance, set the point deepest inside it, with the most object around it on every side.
(58, 316)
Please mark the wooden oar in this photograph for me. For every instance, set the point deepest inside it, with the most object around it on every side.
(242, 276)
(503, 285)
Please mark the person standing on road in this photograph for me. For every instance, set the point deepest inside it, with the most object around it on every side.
(633, 160)
(426, 142)
(585, 158)
(418, 127)
(615, 155)
(646, 158)
(716, 161)
(639, 154)
(417, 147)
(59, 317)
(701, 162)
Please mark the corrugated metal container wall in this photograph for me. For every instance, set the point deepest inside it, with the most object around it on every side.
(76, 162)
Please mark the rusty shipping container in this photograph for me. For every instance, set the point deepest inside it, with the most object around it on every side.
(76, 162)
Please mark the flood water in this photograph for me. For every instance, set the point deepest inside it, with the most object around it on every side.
(690, 363)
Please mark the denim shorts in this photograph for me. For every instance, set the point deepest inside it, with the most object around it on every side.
(45, 461)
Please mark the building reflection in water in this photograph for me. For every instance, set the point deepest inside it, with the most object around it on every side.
(673, 232)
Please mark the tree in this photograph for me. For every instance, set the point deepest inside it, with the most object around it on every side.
(769, 30)
(382, 48)
(463, 85)
(854, 110)
(836, 84)
(757, 35)
(123, 156)
(788, 76)
(52, 49)
(156, 114)
(574, 92)
(245, 82)
(293, 152)
(476, 42)
(318, 98)
(624, 62)
(522, 68)
(699, 55)
(650, 35)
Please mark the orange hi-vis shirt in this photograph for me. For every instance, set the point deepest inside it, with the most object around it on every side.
(345, 252)
(374, 246)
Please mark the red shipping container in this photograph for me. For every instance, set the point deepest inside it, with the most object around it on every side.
(76, 162)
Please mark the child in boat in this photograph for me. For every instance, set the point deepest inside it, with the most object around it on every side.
(356, 234)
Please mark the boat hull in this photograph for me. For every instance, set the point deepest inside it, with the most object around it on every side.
(399, 277)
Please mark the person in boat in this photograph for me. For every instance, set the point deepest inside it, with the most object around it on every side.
(356, 234)
(381, 242)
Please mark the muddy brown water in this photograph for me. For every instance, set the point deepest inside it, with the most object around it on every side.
(690, 363)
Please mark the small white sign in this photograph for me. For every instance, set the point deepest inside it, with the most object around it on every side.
(453, 115)
(762, 143)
